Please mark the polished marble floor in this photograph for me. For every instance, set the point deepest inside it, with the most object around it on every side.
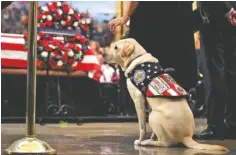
(101, 139)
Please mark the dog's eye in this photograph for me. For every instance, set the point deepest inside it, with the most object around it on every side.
(116, 47)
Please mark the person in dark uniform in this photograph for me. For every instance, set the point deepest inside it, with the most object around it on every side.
(165, 30)
(219, 39)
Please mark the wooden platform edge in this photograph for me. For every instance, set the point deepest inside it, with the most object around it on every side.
(44, 73)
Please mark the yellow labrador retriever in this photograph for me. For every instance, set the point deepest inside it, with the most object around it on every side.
(171, 119)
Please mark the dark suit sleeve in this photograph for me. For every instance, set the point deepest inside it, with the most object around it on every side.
(217, 9)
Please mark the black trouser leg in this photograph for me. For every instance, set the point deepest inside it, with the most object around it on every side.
(205, 70)
(231, 81)
(215, 50)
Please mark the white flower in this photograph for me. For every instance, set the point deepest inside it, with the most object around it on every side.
(76, 24)
(44, 8)
(75, 64)
(89, 47)
(62, 52)
(70, 53)
(69, 17)
(71, 11)
(83, 21)
(60, 11)
(58, 4)
(38, 37)
(63, 23)
(79, 45)
(44, 54)
(51, 46)
(52, 54)
(59, 63)
(88, 20)
(44, 17)
(49, 17)
(79, 54)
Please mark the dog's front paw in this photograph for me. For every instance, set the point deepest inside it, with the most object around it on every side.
(146, 142)
(137, 142)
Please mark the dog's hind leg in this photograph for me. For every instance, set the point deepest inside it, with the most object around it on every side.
(139, 101)
(153, 136)
(155, 119)
(150, 142)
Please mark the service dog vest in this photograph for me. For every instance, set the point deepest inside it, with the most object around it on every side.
(153, 81)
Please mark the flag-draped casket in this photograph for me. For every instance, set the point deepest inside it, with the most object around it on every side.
(14, 55)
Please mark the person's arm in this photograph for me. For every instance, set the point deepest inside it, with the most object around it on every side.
(218, 8)
(229, 12)
(131, 6)
(221, 10)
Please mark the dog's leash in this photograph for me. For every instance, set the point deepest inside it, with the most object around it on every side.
(169, 70)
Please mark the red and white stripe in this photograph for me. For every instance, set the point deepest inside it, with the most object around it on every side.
(156, 90)
(14, 55)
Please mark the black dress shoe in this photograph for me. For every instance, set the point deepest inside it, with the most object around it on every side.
(210, 134)
(230, 130)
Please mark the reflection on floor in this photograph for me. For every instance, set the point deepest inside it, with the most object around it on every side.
(101, 139)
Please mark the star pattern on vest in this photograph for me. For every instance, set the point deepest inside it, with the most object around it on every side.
(145, 72)
(154, 81)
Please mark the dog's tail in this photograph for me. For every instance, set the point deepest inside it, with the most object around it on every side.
(190, 143)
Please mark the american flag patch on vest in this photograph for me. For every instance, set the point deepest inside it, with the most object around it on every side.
(164, 86)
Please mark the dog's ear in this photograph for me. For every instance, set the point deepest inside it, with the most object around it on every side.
(128, 49)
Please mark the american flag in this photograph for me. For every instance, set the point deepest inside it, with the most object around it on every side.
(14, 55)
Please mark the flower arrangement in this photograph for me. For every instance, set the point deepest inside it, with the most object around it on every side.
(60, 51)
(59, 15)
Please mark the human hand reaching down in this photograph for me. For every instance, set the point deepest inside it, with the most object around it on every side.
(118, 22)
(232, 17)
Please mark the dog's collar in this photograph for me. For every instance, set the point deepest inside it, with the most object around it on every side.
(134, 59)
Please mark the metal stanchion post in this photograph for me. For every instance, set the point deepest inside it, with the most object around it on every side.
(118, 14)
(30, 144)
